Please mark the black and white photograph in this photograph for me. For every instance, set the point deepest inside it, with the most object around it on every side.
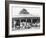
(26, 21)
(25, 18)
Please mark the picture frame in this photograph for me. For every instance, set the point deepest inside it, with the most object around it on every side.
(21, 5)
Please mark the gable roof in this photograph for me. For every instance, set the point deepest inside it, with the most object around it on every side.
(24, 11)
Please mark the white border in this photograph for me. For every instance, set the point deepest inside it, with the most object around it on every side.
(30, 31)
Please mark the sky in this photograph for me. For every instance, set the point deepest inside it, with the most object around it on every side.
(34, 10)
